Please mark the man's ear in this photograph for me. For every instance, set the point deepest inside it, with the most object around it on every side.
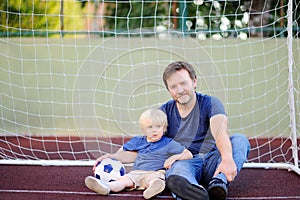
(195, 81)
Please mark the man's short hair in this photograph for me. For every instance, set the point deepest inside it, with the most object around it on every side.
(176, 66)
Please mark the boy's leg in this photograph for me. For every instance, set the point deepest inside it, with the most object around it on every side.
(104, 188)
(181, 179)
(97, 185)
(120, 184)
(156, 186)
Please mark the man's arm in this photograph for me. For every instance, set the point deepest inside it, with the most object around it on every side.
(186, 154)
(219, 130)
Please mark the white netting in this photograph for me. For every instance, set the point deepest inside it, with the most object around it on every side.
(75, 75)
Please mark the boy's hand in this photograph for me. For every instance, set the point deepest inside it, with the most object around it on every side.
(108, 155)
(169, 162)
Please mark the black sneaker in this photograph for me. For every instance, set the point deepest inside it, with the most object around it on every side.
(217, 189)
(185, 190)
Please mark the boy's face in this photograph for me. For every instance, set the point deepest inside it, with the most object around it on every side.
(153, 130)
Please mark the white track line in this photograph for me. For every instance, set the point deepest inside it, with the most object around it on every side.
(132, 195)
(263, 198)
(72, 192)
(45, 192)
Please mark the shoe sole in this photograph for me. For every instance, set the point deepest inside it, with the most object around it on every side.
(183, 189)
(157, 187)
(94, 185)
(217, 193)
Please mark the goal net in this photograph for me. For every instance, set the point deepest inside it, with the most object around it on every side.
(75, 75)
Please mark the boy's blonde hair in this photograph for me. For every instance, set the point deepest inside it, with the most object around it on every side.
(153, 115)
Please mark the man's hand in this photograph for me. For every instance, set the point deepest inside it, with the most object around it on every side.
(228, 168)
(219, 129)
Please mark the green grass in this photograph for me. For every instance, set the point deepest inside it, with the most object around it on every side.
(80, 86)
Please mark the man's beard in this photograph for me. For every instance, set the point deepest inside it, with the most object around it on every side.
(186, 100)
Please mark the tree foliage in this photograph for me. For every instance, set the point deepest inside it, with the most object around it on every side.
(128, 16)
(29, 15)
(36, 15)
(136, 14)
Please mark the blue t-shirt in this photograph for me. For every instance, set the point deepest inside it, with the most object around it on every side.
(152, 155)
(193, 131)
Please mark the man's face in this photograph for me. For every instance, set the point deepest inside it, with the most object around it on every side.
(181, 87)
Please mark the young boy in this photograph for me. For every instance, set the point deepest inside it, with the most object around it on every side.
(155, 153)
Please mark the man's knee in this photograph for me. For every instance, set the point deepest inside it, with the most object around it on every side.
(177, 168)
(240, 142)
(240, 149)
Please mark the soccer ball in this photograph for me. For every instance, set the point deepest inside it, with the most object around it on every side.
(109, 169)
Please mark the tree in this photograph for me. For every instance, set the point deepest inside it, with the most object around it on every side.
(38, 16)
(136, 15)
(20, 16)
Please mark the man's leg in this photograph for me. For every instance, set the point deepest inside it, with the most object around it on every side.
(217, 185)
(240, 150)
(181, 180)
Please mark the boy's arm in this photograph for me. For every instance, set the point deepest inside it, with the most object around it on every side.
(186, 154)
(125, 156)
(121, 155)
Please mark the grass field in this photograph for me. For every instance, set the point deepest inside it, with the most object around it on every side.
(80, 86)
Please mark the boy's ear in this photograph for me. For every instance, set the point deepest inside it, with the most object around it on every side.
(165, 130)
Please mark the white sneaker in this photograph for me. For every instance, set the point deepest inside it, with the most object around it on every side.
(154, 189)
(96, 185)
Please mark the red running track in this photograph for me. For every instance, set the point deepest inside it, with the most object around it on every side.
(52, 182)
(49, 182)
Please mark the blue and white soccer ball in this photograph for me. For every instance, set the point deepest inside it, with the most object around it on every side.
(109, 169)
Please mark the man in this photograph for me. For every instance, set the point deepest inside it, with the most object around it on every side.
(199, 122)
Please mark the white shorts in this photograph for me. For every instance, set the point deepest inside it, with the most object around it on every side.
(141, 178)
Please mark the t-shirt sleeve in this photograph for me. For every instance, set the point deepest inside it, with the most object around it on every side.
(175, 148)
(217, 107)
(133, 144)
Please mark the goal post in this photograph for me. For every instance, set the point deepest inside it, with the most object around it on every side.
(75, 75)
